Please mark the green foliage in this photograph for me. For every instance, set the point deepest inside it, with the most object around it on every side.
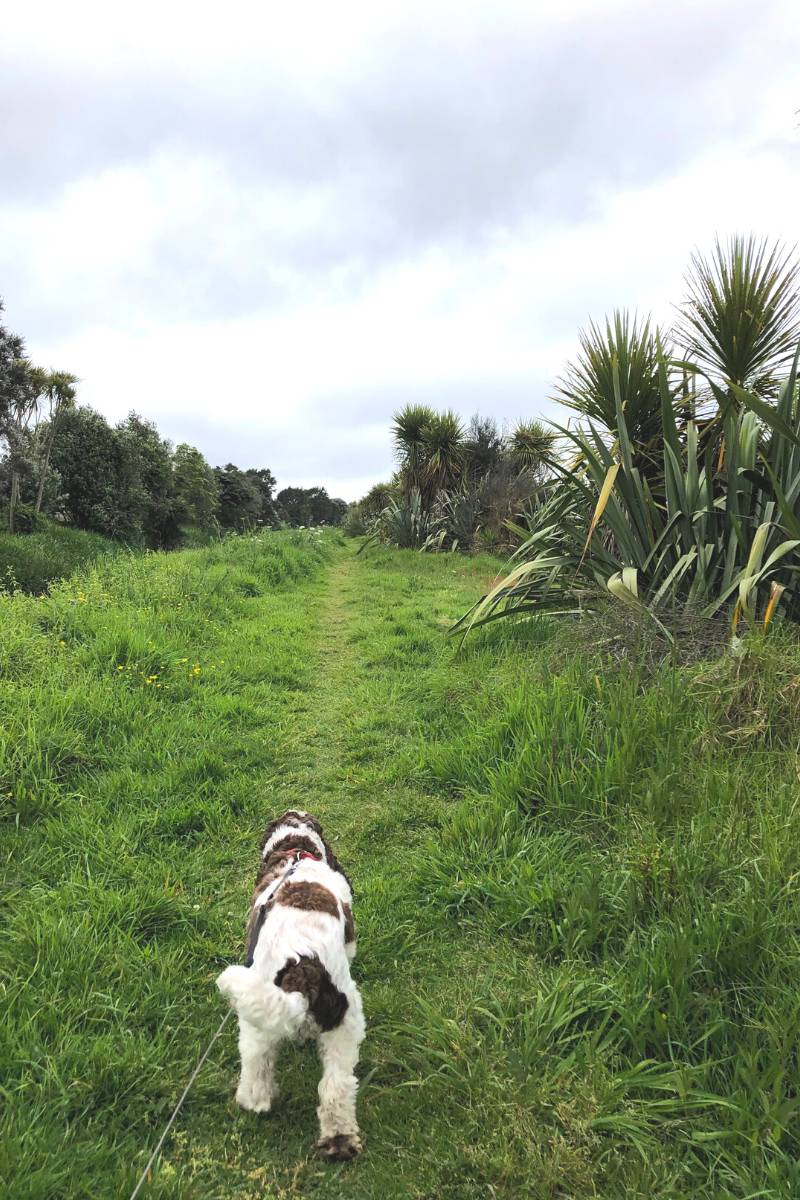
(675, 515)
(99, 479)
(406, 523)
(443, 440)
(408, 433)
(455, 484)
(457, 518)
(617, 366)
(484, 447)
(12, 351)
(58, 393)
(125, 482)
(239, 498)
(430, 450)
(264, 482)
(145, 460)
(741, 320)
(27, 520)
(196, 488)
(32, 401)
(376, 500)
(355, 523)
(531, 446)
(578, 934)
(713, 539)
(30, 562)
(310, 506)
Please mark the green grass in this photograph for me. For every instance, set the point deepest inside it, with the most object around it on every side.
(576, 885)
(29, 562)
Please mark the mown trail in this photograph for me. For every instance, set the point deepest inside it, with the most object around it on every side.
(348, 749)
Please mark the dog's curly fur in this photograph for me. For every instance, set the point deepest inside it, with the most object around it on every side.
(297, 982)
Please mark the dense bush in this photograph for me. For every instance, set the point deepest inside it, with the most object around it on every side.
(455, 488)
(124, 481)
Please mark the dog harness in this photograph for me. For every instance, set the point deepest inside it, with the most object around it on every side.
(269, 893)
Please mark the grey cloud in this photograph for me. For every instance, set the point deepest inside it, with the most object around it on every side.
(442, 134)
(430, 141)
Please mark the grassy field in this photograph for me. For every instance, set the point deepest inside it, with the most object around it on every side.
(576, 885)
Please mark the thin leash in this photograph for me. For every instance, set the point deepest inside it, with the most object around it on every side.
(177, 1108)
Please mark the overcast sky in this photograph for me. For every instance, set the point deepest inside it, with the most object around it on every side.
(266, 226)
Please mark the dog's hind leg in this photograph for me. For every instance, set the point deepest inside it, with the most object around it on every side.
(257, 1088)
(338, 1048)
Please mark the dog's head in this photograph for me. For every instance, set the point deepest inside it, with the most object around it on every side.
(298, 830)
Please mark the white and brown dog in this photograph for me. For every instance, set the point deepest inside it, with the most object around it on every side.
(296, 980)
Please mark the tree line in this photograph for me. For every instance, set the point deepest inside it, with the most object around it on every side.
(65, 461)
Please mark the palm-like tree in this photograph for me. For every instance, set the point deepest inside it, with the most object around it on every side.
(483, 447)
(617, 365)
(408, 434)
(29, 385)
(58, 388)
(530, 445)
(429, 448)
(741, 319)
(443, 438)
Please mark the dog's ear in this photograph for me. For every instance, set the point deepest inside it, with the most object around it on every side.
(268, 832)
(334, 863)
(307, 819)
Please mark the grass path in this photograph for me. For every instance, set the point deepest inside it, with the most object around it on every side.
(317, 742)
(349, 754)
(575, 885)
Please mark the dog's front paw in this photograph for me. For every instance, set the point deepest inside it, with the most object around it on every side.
(253, 1099)
(339, 1148)
(231, 982)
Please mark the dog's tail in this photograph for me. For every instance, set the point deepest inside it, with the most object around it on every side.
(263, 1004)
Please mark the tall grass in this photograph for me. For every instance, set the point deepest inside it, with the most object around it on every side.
(30, 562)
(576, 885)
(636, 834)
(134, 698)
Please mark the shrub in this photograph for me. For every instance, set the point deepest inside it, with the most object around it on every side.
(717, 528)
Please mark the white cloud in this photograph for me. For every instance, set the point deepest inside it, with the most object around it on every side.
(279, 318)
